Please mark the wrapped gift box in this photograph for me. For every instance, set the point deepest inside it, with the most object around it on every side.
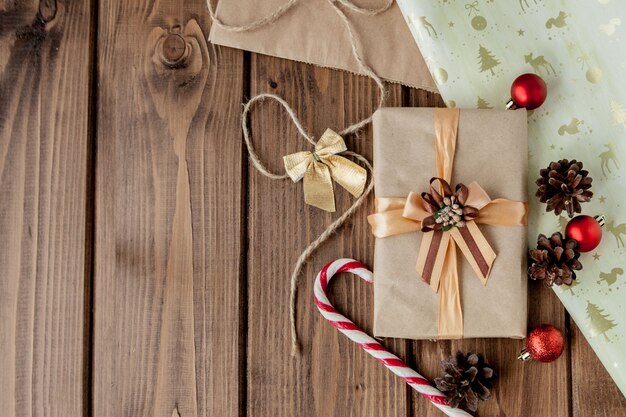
(491, 149)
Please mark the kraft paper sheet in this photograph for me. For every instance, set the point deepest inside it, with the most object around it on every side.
(313, 33)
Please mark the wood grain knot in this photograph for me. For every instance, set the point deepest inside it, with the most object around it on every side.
(174, 51)
(47, 10)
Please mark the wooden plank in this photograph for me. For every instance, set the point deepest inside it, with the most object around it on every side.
(168, 214)
(593, 391)
(45, 66)
(331, 376)
(517, 392)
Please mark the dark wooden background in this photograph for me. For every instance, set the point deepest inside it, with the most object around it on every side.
(144, 263)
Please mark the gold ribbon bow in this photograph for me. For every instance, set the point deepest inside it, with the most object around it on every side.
(318, 167)
(436, 261)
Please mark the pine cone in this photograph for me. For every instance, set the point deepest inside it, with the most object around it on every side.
(563, 186)
(466, 379)
(555, 260)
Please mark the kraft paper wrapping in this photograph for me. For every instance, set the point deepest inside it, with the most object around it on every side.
(313, 33)
(492, 150)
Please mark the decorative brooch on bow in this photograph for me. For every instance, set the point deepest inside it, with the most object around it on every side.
(320, 167)
(447, 209)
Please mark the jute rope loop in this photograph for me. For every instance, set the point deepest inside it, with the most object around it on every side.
(327, 233)
(254, 157)
(258, 164)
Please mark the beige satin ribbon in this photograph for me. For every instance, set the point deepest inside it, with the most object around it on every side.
(317, 168)
(437, 259)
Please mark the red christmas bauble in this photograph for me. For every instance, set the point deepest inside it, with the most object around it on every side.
(545, 343)
(529, 91)
(586, 231)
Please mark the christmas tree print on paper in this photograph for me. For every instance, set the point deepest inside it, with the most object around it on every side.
(487, 60)
(481, 103)
(599, 323)
(619, 113)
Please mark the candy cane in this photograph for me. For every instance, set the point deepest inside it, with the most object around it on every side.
(371, 346)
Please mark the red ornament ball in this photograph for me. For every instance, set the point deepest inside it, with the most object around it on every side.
(545, 343)
(586, 231)
(529, 91)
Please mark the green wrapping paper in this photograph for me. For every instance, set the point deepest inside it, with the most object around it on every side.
(475, 50)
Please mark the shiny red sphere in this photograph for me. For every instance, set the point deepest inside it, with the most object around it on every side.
(586, 231)
(529, 91)
(545, 343)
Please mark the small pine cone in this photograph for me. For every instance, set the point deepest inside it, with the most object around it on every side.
(563, 186)
(467, 378)
(555, 260)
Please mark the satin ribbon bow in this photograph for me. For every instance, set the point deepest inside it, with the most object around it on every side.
(436, 260)
(317, 168)
(462, 208)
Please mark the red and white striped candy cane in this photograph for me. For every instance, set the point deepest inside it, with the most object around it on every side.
(371, 346)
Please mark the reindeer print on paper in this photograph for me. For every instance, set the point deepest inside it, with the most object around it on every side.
(539, 64)
(427, 25)
(525, 2)
(608, 156)
(617, 230)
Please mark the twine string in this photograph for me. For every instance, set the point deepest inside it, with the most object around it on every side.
(327, 233)
(266, 20)
(261, 167)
